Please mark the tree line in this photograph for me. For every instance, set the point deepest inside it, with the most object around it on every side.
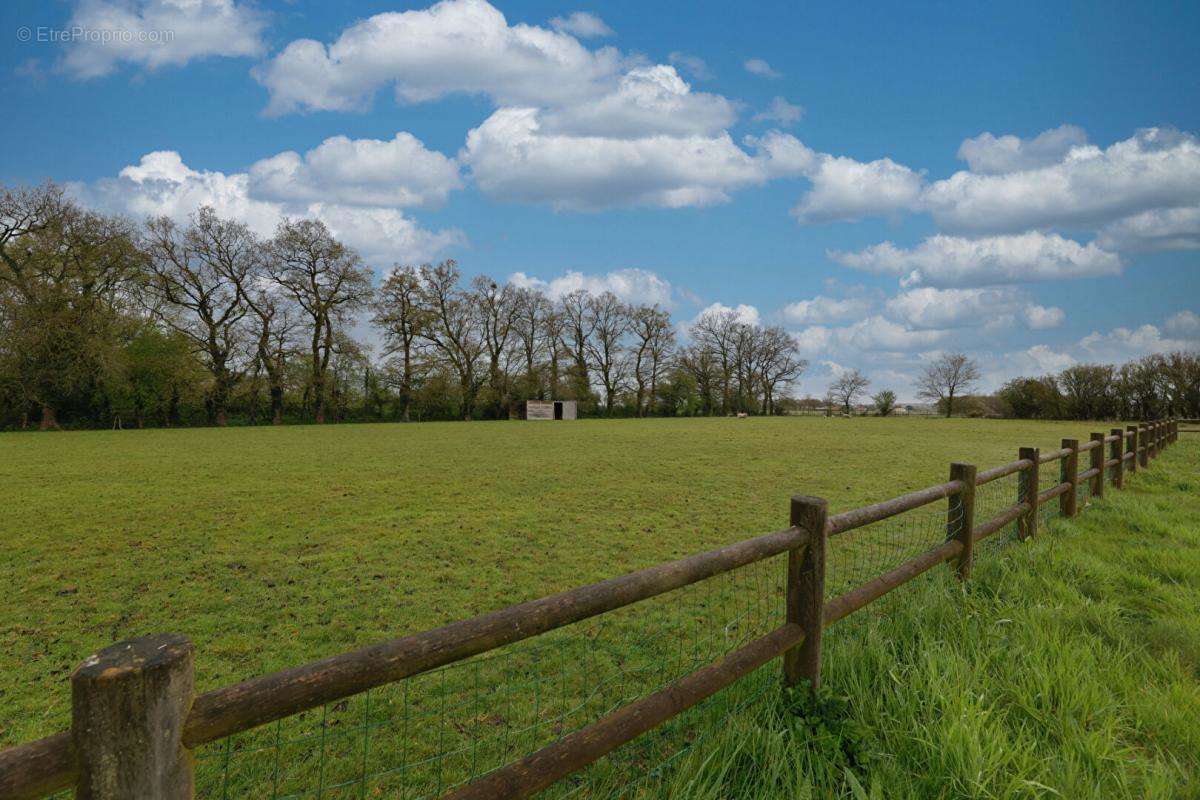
(107, 322)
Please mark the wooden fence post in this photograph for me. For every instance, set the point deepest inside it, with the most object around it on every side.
(1132, 447)
(1027, 492)
(1068, 472)
(960, 516)
(1143, 456)
(1151, 440)
(128, 705)
(1117, 450)
(806, 592)
(1097, 460)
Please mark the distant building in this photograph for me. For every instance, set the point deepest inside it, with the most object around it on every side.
(551, 409)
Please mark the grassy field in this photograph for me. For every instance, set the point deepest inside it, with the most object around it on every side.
(273, 546)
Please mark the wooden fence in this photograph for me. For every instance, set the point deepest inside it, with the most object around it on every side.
(136, 721)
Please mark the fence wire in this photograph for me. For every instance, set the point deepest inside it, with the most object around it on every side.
(862, 554)
(425, 735)
(991, 500)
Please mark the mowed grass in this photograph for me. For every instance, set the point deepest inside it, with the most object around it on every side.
(273, 546)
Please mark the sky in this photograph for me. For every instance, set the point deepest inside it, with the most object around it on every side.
(1020, 182)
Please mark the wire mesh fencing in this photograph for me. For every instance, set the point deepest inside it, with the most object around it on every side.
(429, 733)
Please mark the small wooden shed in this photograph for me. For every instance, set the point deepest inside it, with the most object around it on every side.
(551, 409)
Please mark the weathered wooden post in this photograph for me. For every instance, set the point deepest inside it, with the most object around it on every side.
(806, 592)
(1151, 440)
(960, 516)
(1068, 472)
(1027, 492)
(128, 705)
(1133, 447)
(1097, 461)
(1143, 446)
(1116, 451)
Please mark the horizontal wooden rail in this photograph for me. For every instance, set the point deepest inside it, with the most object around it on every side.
(849, 520)
(38, 768)
(1088, 445)
(1000, 520)
(1054, 455)
(1053, 492)
(1088, 473)
(575, 751)
(989, 475)
(237, 708)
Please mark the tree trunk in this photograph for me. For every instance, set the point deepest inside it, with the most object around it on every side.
(276, 405)
(949, 405)
(49, 419)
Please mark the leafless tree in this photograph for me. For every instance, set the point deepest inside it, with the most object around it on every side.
(608, 319)
(576, 323)
(718, 333)
(536, 329)
(398, 313)
(327, 280)
(948, 376)
(497, 308)
(780, 365)
(847, 387)
(453, 328)
(653, 339)
(194, 279)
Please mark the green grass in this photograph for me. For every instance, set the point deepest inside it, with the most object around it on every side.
(271, 547)
(1068, 667)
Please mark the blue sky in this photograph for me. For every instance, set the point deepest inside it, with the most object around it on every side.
(1018, 181)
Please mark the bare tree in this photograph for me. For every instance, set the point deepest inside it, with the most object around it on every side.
(327, 280)
(701, 365)
(576, 325)
(453, 328)
(718, 333)
(653, 338)
(537, 329)
(497, 309)
(846, 388)
(779, 364)
(399, 314)
(950, 375)
(608, 319)
(195, 275)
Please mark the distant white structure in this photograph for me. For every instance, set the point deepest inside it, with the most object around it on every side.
(551, 409)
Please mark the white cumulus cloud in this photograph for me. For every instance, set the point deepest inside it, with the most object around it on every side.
(162, 184)
(455, 46)
(631, 285)
(1157, 168)
(955, 261)
(399, 172)
(1040, 318)
(846, 190)
(160, 33)
(583, 24)
(988, 154)
(822, 310)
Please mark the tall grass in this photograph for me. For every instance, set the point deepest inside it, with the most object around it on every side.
(1068, 667)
